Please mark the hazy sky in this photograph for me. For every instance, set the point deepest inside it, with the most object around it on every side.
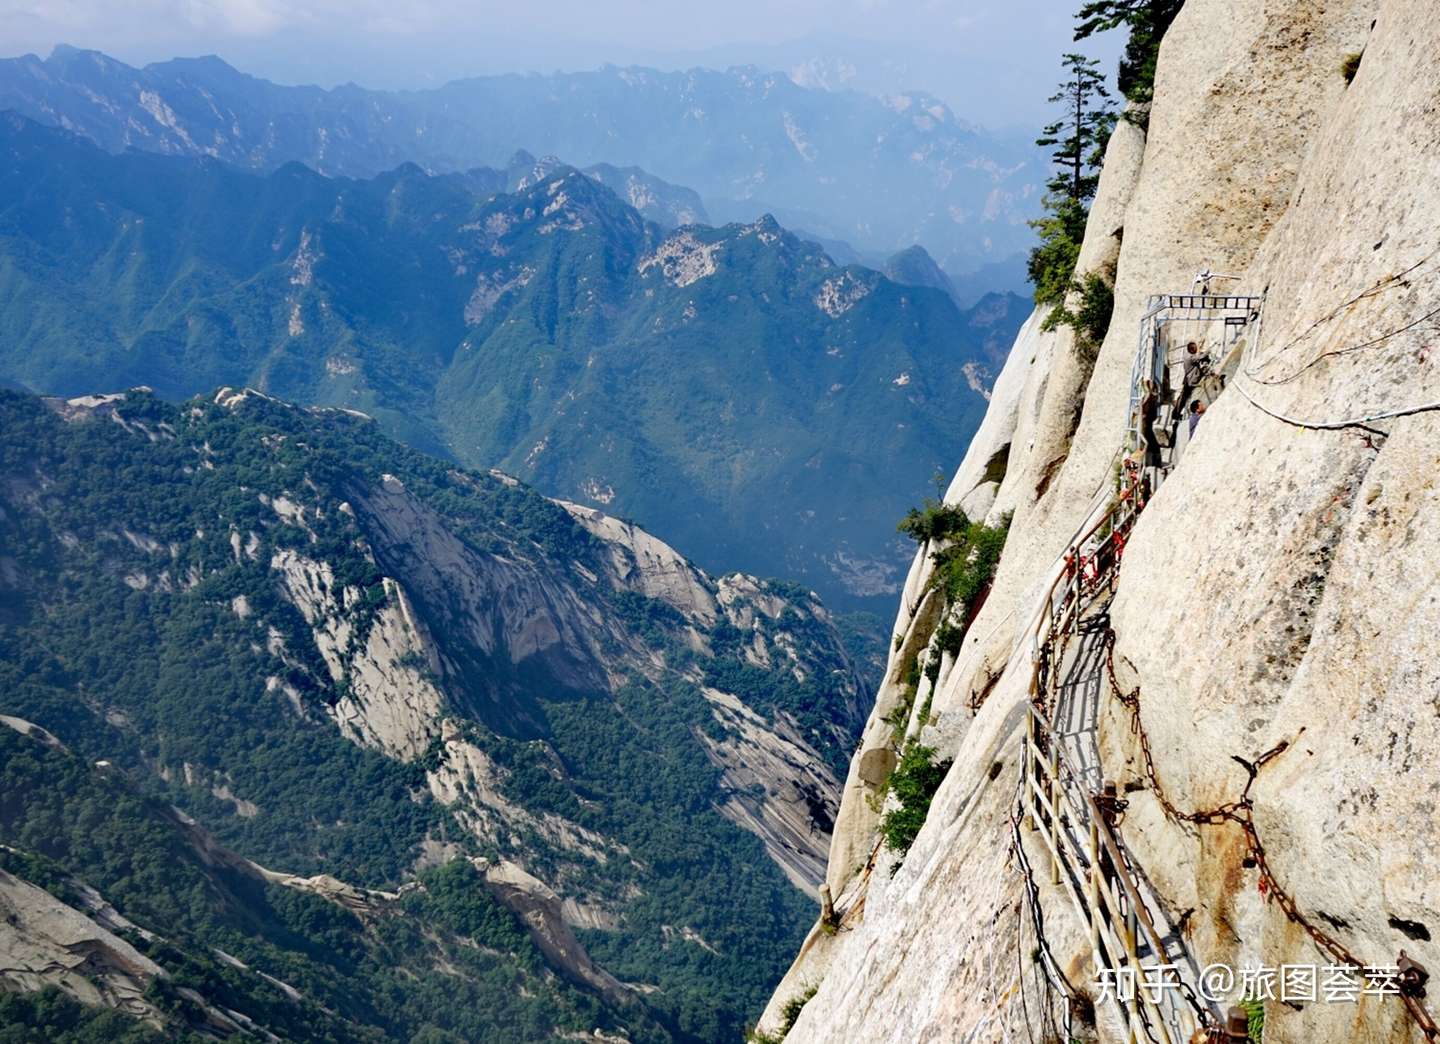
(993, 61)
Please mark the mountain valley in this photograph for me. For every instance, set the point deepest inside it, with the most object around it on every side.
(302, 663)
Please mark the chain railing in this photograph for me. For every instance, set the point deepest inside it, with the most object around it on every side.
(1241, 813)
(1076, 825)
(1076, 820)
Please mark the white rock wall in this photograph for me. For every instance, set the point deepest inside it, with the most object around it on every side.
(1282, 578)
(1312, 615)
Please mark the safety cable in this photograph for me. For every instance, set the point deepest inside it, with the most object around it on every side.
(1020, 973)
(1348, 349)
(1377, 287)
(1335, 425)
(1053, 972)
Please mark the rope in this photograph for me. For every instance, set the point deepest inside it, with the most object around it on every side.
(1053, 972)
(999, 999)
(1253, 372)
(1110, 531)
(1102, 492)
(1380, 339)
(1020, 971)
(1335, 425)
(1334, 312)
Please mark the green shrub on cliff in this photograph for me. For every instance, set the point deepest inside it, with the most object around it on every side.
(914, 782)
(1351, 65)
(934, 520)
(965, 567)
(1093, 298)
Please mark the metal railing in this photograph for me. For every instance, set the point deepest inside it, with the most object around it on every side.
(1164, 312)
(1059, 802)
(1068, 805)
(1087, 859)
(1087, 856)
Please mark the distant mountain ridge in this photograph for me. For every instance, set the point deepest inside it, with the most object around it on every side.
(656, 200)
(881, 173)
(750, 400)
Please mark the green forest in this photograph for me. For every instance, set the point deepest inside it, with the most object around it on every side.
(119, 635)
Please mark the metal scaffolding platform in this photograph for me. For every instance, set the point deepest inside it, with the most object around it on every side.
(1169, 323)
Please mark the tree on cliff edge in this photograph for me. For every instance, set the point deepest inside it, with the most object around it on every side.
(1147, 20)
(1078, 139)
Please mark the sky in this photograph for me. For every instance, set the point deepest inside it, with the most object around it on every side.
(993, 61)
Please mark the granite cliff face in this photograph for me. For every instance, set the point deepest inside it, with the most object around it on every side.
(1279, 588)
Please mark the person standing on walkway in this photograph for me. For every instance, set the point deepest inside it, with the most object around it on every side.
(1197, 410)
(1197, 365)
(1149, 407)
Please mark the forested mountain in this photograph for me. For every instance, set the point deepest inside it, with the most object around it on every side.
(734, 389)
(447, 757)
(882, 173)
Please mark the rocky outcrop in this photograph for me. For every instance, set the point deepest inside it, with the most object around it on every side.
(68, 935)
(30, 729)
(778, 787)
(395, 655)
(537, 683)
(682, 259)
(541, 911)
(389, 703)
(468, 780)
(648, 566)
(1278, 588)
(44, 943)
(1308, 620)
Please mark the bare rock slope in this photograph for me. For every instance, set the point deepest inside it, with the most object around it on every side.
(1280, 588)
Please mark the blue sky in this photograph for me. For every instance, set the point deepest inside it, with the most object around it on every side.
(993, 61)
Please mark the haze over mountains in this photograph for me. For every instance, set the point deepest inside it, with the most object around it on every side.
(734, 389)
(343, 696)
(880, 173)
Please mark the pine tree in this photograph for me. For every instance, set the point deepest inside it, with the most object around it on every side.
(1079, 137)
(1148, 20)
